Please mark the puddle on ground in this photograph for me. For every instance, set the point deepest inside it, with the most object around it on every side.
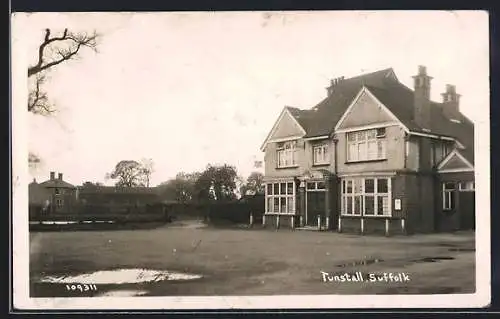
(363, 262)
(120, 276)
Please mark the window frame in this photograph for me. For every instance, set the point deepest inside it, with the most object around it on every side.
(358, 145)
(289, 154)
(448, 196)
(288, 197)
(59, 202)
(325, 151)
(353, 196)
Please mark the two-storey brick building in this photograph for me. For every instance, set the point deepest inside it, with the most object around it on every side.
(373, 155)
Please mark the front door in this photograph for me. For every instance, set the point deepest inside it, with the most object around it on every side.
(315, 206)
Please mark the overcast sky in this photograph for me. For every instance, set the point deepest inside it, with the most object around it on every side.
(188, 89)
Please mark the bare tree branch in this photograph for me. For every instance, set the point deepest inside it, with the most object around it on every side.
(38, 101)
(73, 42)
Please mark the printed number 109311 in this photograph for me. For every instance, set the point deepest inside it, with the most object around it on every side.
(81, 287)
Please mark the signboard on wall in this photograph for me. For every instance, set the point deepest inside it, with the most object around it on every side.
(397, 204)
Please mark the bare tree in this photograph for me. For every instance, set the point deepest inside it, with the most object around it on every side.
(147, 169)
(53, 51)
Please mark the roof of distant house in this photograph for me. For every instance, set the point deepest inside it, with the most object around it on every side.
(56, 183)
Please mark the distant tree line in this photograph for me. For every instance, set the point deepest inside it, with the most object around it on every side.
(219, 183)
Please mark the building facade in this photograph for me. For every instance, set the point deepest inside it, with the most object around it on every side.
(53, 196)
(374, 155)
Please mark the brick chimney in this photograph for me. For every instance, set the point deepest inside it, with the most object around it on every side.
(422, 102)
(60, 176)
(333, 83)
(52, 176)
(451, 104)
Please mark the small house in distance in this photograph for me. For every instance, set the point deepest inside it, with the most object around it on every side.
(53, 196)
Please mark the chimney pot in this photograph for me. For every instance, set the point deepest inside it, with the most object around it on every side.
(60, 176)
(450, 88)
(422, 70)
(52, 175)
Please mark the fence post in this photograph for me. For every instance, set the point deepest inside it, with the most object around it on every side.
(264, 220)
(327, 222)
(362, 226)
(319, 222)
(251, 219)
(301, 221)
(403, 227)
(293, 222)
(339, 226)
(277, 221)
(387, 226)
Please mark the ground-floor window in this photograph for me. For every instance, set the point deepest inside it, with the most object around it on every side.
(366, 196)
(448, 195)
(59, 202)
(280, 197)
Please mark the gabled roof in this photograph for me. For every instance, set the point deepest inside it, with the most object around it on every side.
(455, 162)
(395, 96)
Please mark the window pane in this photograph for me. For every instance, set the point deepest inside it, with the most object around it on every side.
(269, 204)
(358, 186)
(361, 135)
(351, 137)
(353, 152)
(372, 150)
(289, 188)
(276, 205)
(283, 205)
(343, 187)
(349, 204)
(358, 205)
(282, 188)
(321, 185)
(269, 189)
(369, 205)
(369, 185)
(349, 186)
(362, 151)
(382, 186)
(311, 185)
(291, 204)
(276, 187)
(382, 205)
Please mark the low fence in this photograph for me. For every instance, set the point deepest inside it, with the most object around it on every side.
(235, 212)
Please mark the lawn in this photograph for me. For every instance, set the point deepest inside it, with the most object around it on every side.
(256, 261)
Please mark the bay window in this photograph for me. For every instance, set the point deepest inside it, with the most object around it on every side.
(320, 154)
(287, 154)
(366, 145)
(366, 196)
(280, 197)
(448, 195)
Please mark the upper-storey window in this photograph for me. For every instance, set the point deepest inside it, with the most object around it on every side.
(287, 154)
(320, 154)
(366, 145)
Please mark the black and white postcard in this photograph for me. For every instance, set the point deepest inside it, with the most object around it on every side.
(251, 160)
